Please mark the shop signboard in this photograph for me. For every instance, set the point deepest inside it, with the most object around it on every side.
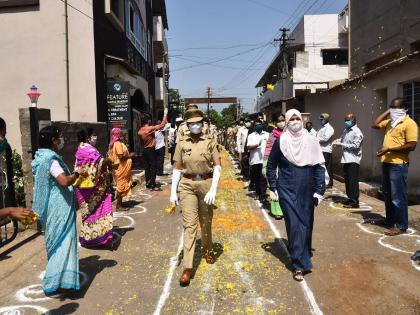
(118, 102)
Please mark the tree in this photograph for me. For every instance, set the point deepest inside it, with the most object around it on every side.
(215, 118)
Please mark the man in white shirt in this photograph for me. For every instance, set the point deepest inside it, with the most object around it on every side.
(310, 128)
(160, 149)
(257, 141)
(172, 137)
(325, 139)
(241, 138)
(351, 143)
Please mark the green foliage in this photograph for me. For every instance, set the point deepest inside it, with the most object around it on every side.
(18, 178)
(226, 118)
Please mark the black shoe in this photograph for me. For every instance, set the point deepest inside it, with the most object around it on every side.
(346, 201)
(351, 205)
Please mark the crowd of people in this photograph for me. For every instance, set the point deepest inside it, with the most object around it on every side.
(287, 164)
(294, 162)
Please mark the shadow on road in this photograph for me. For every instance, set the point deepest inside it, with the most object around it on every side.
(278, 249)
(198, 257)
(91, 266)
(5, 255)
(132, 203)
(69, 308)
(371, 217)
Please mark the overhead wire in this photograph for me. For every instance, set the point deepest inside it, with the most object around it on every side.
(212, 65)
(267, 6)
(220, 59)
(217, 48)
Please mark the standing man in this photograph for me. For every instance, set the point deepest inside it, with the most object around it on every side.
(241, 137)
(160, 149)
(351, 143)
(324, 136)
(172, 137)
(401, 136)
(257, 142)
(310, 128)
(147, 137)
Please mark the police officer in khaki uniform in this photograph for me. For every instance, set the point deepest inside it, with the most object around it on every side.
(209, 130)
(197, 172)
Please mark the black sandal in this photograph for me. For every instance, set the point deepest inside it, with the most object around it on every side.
(296, 274)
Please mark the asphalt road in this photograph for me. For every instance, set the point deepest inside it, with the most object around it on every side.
(357, 270)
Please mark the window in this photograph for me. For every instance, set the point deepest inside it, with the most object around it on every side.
(18, 3)
(335, 57)
(114, 11)
(137, 33)
(411, 93)
(115, 7)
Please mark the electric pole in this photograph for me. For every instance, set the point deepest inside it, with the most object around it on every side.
(209, 94)
(284, 67)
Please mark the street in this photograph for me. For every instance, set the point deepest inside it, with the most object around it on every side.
(357, 270)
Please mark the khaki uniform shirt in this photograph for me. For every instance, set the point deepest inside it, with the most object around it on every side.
(197, 156)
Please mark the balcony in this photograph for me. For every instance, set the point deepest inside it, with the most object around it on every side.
(160, 45)
(161, 90)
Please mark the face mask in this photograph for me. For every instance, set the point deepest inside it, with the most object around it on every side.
(248, 125)
(397, 113)
(60, 146)
(348, 123)
(323, 122)
(281, 125)
(93, 140)
(195, 128)
(295, 126)
(259, 128)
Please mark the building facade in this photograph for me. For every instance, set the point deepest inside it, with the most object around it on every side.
(33, 50)
(316, 54)
(384, 64)
(70, 50)
(161, 57)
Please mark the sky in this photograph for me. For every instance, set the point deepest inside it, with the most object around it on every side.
(228, 44)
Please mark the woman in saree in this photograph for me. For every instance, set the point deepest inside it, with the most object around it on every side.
(93, 192)
(55, 206)
(121, 159)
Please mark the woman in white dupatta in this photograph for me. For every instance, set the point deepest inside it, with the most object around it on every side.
(296, 174)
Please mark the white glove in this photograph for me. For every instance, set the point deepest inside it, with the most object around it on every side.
(210, 197)
(176, 177)
(274, 196)
(318, 197)
(337, 142)
(165, 112)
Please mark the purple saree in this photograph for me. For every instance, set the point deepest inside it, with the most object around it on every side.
(94, 198)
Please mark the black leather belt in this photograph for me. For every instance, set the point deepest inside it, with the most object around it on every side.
(196, 177)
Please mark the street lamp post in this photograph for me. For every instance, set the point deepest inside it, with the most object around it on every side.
(33, 95)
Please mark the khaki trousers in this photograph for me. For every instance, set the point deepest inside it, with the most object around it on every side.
(194, 211)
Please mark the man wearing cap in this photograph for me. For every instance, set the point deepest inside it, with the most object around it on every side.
(197, 171)
(325, 138)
